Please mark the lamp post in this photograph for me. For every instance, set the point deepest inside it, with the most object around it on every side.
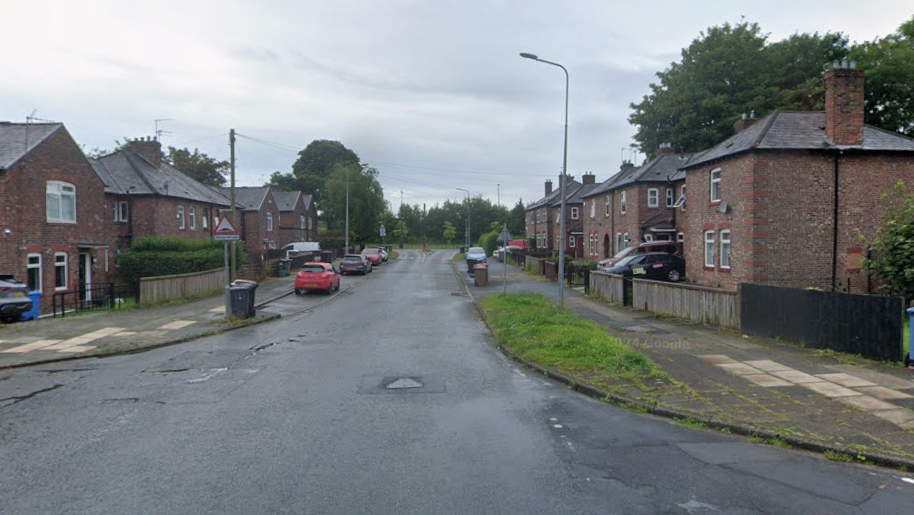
(467, 228)
(561, 273)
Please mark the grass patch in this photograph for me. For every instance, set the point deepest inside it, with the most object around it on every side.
(692, 423)
(531, 327)
(837, 456)
(460, 256)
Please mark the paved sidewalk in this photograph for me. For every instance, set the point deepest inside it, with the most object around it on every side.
(103, 333)
(829, 399)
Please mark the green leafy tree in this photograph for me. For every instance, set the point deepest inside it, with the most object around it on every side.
(315, 165)
(517, 221)
(366, 201)
(401, 231)
(889, 80)
(198, 166)
(891, 257)
(450, 232)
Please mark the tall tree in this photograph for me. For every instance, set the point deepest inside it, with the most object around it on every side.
(889, 80)
(198, 166)
(366, 201)
(314, 166)
(449, 232)
(730, 70)
(517, 221)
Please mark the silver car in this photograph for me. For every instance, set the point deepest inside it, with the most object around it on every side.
(475, 256)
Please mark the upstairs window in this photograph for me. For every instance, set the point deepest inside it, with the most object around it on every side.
(121, 211)
(715, 185)
(653, 197)
(269, 221)
(302, 222)
(669, 197)
(60, 198)
(574, 213)
(606, 208)
(622, 203)
(593, 208)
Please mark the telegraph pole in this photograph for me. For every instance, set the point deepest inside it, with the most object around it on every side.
(232, 264)
(347, 210)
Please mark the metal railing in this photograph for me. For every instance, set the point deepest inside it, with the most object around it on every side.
(98, 297)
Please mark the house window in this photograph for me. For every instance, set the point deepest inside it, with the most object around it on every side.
(574, 213)
(60, 200)
(648, 237)
(34, 272)
(669, 197)
(269, 221)
(60, 271)
(653, 197)
(302, 222)
(310, 223)
(593, 208)
(606, 208)
(205, 218)
(680, 237)
(709, 249)
(571, 242)
(180, 217)
(715, 185)
(626, 241)
(120, 211)
(664, 237)
(193, 218)
(725, 248)
(622, 204)
(618, 241)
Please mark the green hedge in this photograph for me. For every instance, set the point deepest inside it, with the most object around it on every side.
(488, 241)
(153, 257)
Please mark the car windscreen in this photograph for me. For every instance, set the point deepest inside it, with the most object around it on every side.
(352, 259)
(624, 252)
(627, 261)
(476, 250)
(312, 268)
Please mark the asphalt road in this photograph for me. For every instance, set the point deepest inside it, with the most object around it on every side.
(389, 399)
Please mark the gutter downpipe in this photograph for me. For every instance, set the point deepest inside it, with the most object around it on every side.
(834, 255)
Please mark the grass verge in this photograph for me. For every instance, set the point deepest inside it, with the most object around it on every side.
(532, 328)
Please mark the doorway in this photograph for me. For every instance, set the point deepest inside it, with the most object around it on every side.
(85, 276)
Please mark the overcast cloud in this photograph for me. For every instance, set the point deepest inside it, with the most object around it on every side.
(431, 93)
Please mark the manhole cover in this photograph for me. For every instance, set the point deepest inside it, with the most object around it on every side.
(404, 382)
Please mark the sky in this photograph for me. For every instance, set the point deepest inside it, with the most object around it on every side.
(433, 94)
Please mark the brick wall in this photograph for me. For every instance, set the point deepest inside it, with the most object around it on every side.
(158, 216)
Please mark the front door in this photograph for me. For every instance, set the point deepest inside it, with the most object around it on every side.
(85, 276)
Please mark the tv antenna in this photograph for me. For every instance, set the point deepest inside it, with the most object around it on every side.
(32, 118)
(161, 132)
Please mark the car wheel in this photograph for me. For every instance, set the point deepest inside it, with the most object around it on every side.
(674, 275)
(299, 291)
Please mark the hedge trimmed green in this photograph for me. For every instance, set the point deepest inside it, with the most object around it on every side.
(156, 256)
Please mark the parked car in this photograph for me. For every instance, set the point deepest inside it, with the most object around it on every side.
(14, 300)
(668, 247)
(355, 263)
(475, 255)
(373, 254)
(653, 265)
(384, 254)
(317, 277)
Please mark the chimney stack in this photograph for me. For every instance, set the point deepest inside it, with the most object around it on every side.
(548, 187)
(149, 148)
(844, 104)
(626, 165)
(589, 178)
(665, 148)
(747, 121)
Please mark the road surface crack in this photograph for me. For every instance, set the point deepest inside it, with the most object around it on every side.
(19, 398)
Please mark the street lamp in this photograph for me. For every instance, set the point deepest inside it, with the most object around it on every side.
(561, 273)
(467, 228)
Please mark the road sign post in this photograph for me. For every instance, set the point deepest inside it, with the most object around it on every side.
(225, 232)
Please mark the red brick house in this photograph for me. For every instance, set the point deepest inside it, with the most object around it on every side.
(297, 217)
(259, 225)
(575, 212)
(634, 205)
(146, 196)
(54, 224)
(792, 199)
(540, 217)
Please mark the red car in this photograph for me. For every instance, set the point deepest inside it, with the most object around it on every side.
(317, 277)
(373, 255)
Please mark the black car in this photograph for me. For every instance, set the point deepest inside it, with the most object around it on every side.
(14, 300)
(355, 263)
(653, 265)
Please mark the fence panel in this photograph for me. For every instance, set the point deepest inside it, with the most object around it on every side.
(709, 306)
(607, 286)
(155, 290)
(870, 326)
(532, 264)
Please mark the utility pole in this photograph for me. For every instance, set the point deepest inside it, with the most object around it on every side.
(232, 256)
(347, 210)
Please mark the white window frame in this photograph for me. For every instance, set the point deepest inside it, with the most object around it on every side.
(57, 193)
(619, 242)
(121, 211)
(710, 248)
(670, 197)
(205, 218)
(714, 192)
(653, 197)
(193, 218)
(571, 241)
(180, 217)
(574, 213)
(593, 208)
(622, 203)
(726, 249)
(302, 222)
(626, 240)
(65, 264)
(606, 209)
(648, 237)
(310, 223)
(35, 266)
(269, 217)
(680, 237)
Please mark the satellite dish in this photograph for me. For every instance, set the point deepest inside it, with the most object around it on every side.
(723, 207)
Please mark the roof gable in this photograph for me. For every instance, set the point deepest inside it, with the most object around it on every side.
(286, 200)
(18, 139)
(249, 197)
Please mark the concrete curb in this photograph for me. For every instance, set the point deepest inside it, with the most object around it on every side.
(739, 428)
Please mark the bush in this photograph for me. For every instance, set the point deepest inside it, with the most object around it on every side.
(488, 241)
(153, 256)
(590, 265)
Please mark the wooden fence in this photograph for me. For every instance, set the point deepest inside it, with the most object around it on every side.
(700, 304)
(606, 286)
(155, 290)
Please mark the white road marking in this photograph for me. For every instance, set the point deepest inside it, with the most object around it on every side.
(908, 480)
(553, 420)
(558, 426)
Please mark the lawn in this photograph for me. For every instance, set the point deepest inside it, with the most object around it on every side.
(532, 328)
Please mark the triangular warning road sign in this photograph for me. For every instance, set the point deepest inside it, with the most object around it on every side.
(224, 226)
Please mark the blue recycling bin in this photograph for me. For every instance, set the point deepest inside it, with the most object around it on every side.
(33, 313)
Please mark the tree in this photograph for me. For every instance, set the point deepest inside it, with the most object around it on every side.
(891, 257)
(517, 219)
(730, 70)
(366, 201)
(450, 232)
(198, 166)
(314, 167)
(401, 231)
(889, 80)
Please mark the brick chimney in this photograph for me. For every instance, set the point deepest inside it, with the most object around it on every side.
(626, 165)
(548, 188)
(589, 178)
(747, 121)
(665, 148)
(149, 148)
(844, 104)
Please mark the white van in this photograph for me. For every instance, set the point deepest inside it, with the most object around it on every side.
(301, 246)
